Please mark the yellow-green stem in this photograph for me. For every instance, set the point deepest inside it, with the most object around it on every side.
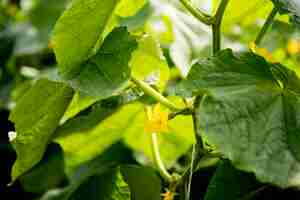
(266, 26)
(199, 14)
(156, 95)
(157, 159)
(156, 154)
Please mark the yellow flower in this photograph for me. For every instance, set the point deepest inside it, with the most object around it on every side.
(262, 52)
(168, 195)
(293, 46)
(51, 45)
(157, 120)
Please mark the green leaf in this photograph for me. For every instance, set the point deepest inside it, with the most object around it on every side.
(98, 179)
(250, 113)
(77, 32)
(107, 186)
(35, 123)
(45, 13)
(244, 14)
(93, 133)
(79, 103)
(290, 7)
(148, 62)
(137, 22)
(144, 183)
(229, 183)
(101, 126)
(50, 169)
(107, 72)
(128, 8)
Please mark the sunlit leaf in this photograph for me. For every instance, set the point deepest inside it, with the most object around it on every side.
(290, 7)
(35, 123)
(77, 32)
(128, 8)
(148, 62)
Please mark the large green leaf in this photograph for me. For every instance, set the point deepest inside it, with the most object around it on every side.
(107, 72)
(36, 117)
(290, 7)
(77, 32)
(230, 183)
(50, 169)
(250, 113)
(143, 182)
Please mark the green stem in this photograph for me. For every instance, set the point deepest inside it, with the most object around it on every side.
(186, 111)
(216, 26)
(199, 14)
(158, 162)
(156, 95)
(266, 26)
(196, 124)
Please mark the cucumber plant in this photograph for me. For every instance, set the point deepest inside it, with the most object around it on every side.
(144, 98)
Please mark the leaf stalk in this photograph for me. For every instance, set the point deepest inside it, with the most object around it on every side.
(156, 95)
(216, 26)
(266, 26)
(199, 14)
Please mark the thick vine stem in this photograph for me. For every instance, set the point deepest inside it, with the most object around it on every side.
(216, 26)
(199, 14)
(266, 26)
(156, 95)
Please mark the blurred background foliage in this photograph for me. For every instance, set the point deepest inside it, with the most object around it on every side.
(172, 40)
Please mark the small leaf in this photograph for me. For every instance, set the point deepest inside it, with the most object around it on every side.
(143, 182)
(148, 62)
(77, 32)
(35, 123)
(290, 7)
